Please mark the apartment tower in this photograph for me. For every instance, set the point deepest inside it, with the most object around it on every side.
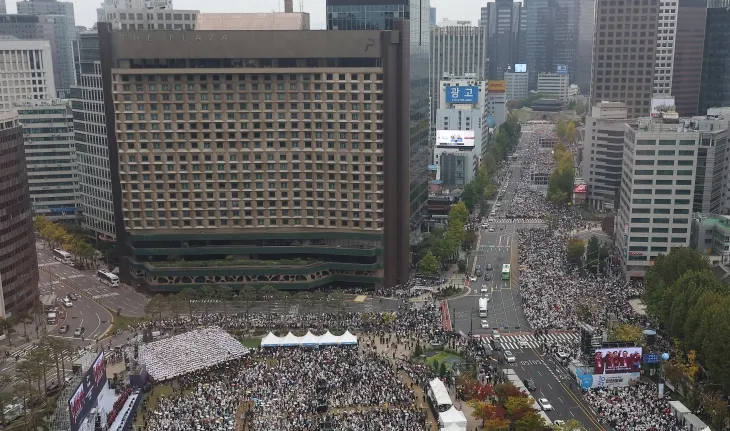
(281, 162)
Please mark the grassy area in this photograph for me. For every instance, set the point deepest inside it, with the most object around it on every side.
(440, 357)
(232, 262)
(121, 322)
(251, 342)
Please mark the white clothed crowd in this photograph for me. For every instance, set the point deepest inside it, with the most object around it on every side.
(282, 385)
(633, 408)
(191, 351)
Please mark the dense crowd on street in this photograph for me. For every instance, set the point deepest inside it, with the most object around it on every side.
(633, 408)
(279, 389)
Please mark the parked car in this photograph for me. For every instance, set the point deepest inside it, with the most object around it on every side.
(63, 329)
(545, 404)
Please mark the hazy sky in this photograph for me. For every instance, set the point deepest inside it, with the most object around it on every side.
(453, 9)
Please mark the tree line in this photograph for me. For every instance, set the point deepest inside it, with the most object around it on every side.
(30, 399)
(70, 238)
(692, 306)
(440, 247)
(483, 187)
(560, 183)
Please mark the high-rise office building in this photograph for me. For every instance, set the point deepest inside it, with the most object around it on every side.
(665, 45)
(281, 162)
(432, 16)
(92, 150)
(457, 49)
(552, 37)
(18, 261)
(673, 168)
(462, 105)
(554, 85)
(60, 28)
(381, 15)
(516, 85)
(50, 156)
(3, 7)
(584, 55)
(148, 19)
(714, 91)
(603, 149)
(137, 4)
(26, 72)
(502, 21)
(624, 55)
(689, 46)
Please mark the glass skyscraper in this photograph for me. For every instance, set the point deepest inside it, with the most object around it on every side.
(380, 15)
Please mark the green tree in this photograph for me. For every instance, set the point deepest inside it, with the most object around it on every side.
(224, 293)
(593, 252)
(627, 332)
(6, 397)
(247, 296)
(458, 213)
(574, 250)
(667, 269)
(155, 307)
(683, 294)
(208, 294)
(570, 132)
(188, 296)
(517, 407)
(428, 264)
(462, 265)
(560, 129)
(442, 369)
(6, 327)
(530, 421)
(694, 336)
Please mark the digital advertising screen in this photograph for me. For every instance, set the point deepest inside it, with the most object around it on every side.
(615, 360)
(520, 68)
(455, 138)
(84, 397)
(462, 94)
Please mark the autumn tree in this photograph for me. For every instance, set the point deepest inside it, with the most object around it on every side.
(574, 251)
(530, 421)
(504, 391)
(476, 390)
(627, 332)
(517, 407)
(488, 412)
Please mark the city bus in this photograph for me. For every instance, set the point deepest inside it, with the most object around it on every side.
(62, 256)
(107, 278)
(505, 271)
(483, 303)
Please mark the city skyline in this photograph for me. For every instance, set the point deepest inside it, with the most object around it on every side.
(85, 10)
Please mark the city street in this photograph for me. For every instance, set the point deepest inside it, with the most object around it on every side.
(129, 302)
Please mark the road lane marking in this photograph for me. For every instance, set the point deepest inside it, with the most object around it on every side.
(105, 295)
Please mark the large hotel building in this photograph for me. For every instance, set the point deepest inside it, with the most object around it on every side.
(259, 157)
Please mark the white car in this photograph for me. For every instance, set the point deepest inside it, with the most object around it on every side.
(491, 229)
(545, 404)
(491, 220)
(485, 324)
(67, 303)
(509, 357)
(485, 289)
(473, 278)
(495, 334)
(522, 342)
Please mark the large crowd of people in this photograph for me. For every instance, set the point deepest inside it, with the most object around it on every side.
(281, 388)
(633, 408)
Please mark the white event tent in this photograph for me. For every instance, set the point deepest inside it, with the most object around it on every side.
(452, 419)
(309, 340)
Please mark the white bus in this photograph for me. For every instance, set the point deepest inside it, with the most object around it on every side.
(107, 278)
(483, 303)
(62, 256)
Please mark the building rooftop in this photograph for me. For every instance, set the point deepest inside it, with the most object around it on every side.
(252, 21)
(670, 122)
(721, 221)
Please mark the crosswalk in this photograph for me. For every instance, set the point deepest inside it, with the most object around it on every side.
(512, 341)
(105, 295)
(519, 221)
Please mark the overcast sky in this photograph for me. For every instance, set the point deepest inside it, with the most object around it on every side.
(468, 10)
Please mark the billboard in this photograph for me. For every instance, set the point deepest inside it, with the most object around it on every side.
(496, 86)
(615, 380)
(561, 69)
(84, 398)
(520, 68)
(661, 104)
(616, 360)
(462, 94)
(455, 138)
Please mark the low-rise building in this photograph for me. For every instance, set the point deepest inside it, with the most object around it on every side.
(554, 85)
(711, 236)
